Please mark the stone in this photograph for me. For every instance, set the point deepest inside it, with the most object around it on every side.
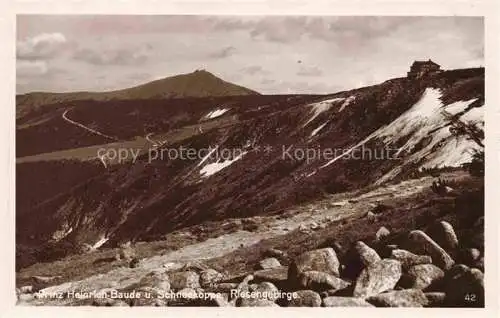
(223, 287)
(446, 237)
(243, 287)
(408, 259)
(24, 299)
(399, 298)
(273, 252)
(254, 302)
(134, 262)
(305, 298)
(107, 302)
(188, 293)
(266, 290)
(127, 253)
(172, 266)
(424, 275)
(181, 280)
(382, 233)
(435, 299)
(469, 256)
(157, 280)
(303, 228)
(278, 276)
(210, 277)
(480, 264)
(422, 243)
(371, 216)
(26, 289)
(213, 300)
(269, 263)
(44, 279)
(322, 260)
(336, 301)
(314, 226)
(366, 254)
(378, 277)
(320, 281)
(465, 289)
(454, 272)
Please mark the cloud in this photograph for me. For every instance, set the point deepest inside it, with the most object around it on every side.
(252, 70)
(42, 46)
(31, 68)
(111, 57)
(310, 71)
(222, 53)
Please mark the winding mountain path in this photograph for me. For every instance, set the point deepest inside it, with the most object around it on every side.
(65, 117)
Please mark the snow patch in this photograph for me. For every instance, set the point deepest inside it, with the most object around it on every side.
(458, 107)
(207, 156)
(474, 116)
(100, 243)
(347, 102)
(427, 120)
(323, 106)
(216, 113)
(213, 168)
(315, 131)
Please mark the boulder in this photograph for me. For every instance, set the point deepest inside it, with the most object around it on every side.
(210, 277)
(469, 256)
(242, 287)
(378, 277)
(422, 243)
(408, 259)
(319, 281)
(446, 237)
(223, 287)
(479, 264)
(345, 302)
(424, 275)
(157, 280)
(24, 299)
(278, 276)
(400, 298)
(322, 260)
(276, 253)
(465, 289)
(181, 280)
(269, 263)
(435, 299)
(381, 234)
(266, 290)
(44, 279)
(366, 254)
(305, 298)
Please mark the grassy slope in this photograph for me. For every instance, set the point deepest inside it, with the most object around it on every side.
(196, 84)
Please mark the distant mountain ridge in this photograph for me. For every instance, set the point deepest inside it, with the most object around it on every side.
(199, 83)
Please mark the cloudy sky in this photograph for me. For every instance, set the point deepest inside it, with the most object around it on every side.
(267, 54)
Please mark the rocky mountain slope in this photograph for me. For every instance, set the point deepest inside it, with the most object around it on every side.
(392, 246)
(405, 125)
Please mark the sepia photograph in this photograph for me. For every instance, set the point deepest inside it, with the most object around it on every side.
(249, 160)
